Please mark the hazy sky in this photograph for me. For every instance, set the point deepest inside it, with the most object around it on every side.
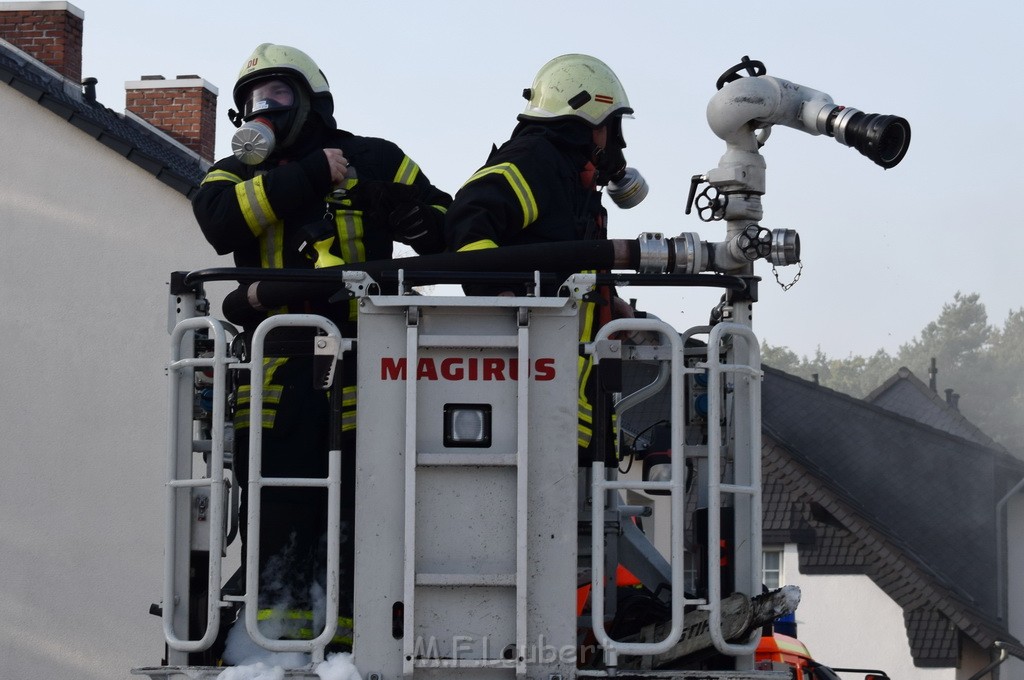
(882, 250)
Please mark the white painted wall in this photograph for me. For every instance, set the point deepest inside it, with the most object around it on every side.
(849, 622)
(88, 241)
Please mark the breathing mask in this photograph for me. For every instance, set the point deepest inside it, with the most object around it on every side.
(269, 119)
(626, 186)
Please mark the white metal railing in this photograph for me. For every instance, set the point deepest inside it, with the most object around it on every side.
(181, 482)
(676, 489)
(257, 482)
(409, 516)
(746, 416)
(747, 448)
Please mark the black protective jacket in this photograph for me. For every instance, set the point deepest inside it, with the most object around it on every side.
(261, 214)
(537, 187)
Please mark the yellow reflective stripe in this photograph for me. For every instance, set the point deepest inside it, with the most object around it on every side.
(266, 420)
(262, 221)
(589, 312)
(271, 396)
(270, 366)
(216, 175)
(407, 171)
(350, 231)
(440, 208)
(585, 412)
(348, 185)
(585, 431)
(272, 247)
(519, 186)
(585, 364)
(343, 633)
(348, 408)
(252, 199)
(307, 634)
(295, 615)
(478, 245)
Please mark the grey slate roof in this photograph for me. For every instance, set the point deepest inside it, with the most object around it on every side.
(865, 490)
(917, 504)
(906, 394)
(135, 141)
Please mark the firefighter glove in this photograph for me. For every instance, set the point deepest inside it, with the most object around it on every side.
(398, 209)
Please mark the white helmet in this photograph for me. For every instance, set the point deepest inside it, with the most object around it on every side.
(295, 66)
(575, 86)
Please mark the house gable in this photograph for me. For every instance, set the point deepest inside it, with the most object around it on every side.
(909, 506)
(863, 490)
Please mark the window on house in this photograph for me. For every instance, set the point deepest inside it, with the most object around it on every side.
(771, 568)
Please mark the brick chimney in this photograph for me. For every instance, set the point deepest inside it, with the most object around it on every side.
(50, 32)
(185, 108)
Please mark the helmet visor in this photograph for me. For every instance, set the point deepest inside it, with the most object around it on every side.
(265, 96)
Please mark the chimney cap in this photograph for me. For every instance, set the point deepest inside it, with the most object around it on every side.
(159, 82)
(42, 7)
(89, 89)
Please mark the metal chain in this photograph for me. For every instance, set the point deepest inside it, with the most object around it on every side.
(787, 286)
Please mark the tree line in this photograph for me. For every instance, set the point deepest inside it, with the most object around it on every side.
(982, 363)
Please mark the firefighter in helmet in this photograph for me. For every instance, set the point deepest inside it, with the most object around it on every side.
(544, 184)
(298, 192)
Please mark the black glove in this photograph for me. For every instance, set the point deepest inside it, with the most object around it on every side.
(397, 208)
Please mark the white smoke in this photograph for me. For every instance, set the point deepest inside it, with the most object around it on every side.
(242, 652)
(256, 671)
(335, 667)
(338, 667)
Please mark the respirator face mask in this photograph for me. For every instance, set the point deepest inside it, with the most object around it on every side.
(626, 186)
(268, 111)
